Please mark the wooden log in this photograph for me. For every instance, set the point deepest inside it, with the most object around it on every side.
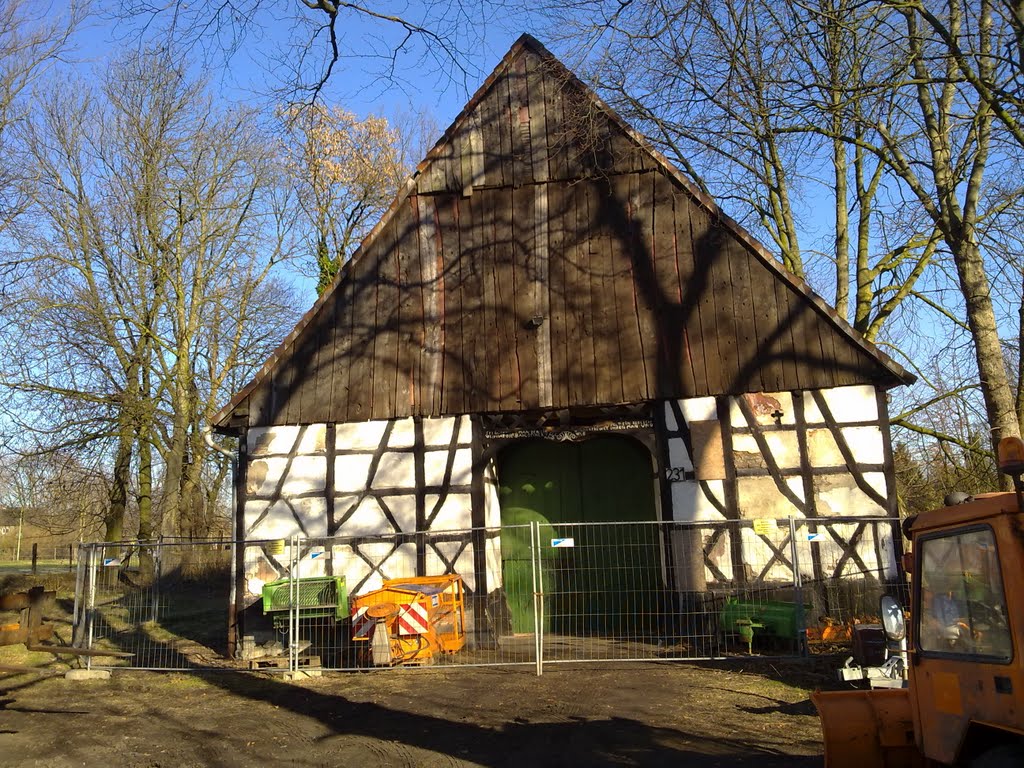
(68, 650)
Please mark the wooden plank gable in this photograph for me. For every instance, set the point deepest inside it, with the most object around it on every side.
(544, 256)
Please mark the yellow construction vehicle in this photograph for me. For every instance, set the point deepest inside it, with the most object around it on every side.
(963, 704)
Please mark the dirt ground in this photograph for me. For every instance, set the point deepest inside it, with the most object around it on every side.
(741, 712)
(652, 714)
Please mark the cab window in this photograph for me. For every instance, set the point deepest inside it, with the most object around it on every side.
(963, 608)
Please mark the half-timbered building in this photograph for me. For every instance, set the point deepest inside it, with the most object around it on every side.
(552, 322)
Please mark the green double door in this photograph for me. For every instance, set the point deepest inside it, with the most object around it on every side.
(609, 579)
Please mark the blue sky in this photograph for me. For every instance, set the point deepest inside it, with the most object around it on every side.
(250, 72)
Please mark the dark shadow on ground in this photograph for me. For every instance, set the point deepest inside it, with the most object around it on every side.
(579, 741)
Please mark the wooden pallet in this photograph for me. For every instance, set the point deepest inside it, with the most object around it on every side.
(282, 662)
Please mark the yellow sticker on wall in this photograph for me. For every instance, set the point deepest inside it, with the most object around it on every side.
(765, 526)
(275, 547)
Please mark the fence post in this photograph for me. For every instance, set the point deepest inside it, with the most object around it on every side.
(798, 588)
(293, 606)
(538, 594)
(158, 557)
(35, 557)
(90, 608)
(79, 609)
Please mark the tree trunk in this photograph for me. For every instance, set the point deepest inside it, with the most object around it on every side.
(114, 520)
(981, 319)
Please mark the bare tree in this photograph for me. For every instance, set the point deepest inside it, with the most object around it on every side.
(33, 39)
(57, 492)
(304, 42)
(767, 103)
(156, 223)
(346, 172)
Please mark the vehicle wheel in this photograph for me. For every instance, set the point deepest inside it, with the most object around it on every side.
(1003, 756)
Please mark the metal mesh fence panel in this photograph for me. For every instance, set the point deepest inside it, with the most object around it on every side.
(643, 591)
(166, 604)
(846, 566)
(357, 602)
(526, 594)
(646, 591)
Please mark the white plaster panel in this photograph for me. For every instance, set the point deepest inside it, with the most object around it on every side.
(438, 432)
(785, 448)
(307, 474)
(689, 504)
(368, 518)
(747, 443)
(838, 495)
(855, 403)
(878, 482)
(462, 469)
(402, 563)
(761, 497)
(865, 443)
(455, 514)
(395, 470)
(278, 523)
(311, 567)
(719, 554)
(348, 564)
(360, 436)
(312, 511)
(796, 485)
(831, 551)
(492, 504)
(261, 441)
(464, 567)
(678, 456)
(757, 554)
(251, 513)
(351, 472)
(403, 509)
(670, 418)
(403, 434)
(822, 450)
(495, 578)
(435, 462)
(699, 409)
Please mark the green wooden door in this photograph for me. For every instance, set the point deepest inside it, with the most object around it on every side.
(611, 577)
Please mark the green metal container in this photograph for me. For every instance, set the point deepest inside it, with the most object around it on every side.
(316, 597)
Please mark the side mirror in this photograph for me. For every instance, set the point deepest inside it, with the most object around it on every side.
(892, 618)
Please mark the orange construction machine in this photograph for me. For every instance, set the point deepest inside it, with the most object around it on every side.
(964, 699)
(411, 621)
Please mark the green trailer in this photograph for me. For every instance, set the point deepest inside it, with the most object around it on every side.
(773, 621)
(316, 597)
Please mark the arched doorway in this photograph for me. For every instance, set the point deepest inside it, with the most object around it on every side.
(611, 578)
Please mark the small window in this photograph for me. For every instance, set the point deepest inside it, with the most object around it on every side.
(963, 608)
